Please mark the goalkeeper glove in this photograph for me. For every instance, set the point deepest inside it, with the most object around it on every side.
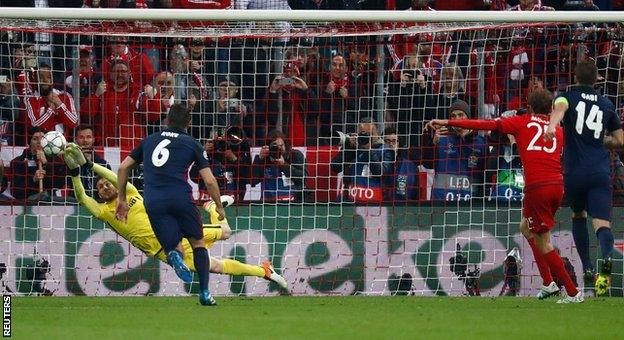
(74, 158)
(76, 153)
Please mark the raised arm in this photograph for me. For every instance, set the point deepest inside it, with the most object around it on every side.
(559, 108)
(473, 124)
(73, 156)
(85, 200)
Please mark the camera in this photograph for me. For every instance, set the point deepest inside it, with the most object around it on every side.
(363, 138)
(37, 275)
(231, 139)
(275, 151)
(286, 81)
(459, 266)
(233, 104)
(459, 262)
(412, 73)
(511, 268)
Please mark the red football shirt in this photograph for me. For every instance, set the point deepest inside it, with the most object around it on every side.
(541, 160)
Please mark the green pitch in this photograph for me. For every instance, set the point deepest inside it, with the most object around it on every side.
(147, 318)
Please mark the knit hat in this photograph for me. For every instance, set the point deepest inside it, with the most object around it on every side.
(461, 106)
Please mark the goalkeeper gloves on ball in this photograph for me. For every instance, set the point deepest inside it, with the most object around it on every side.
(74, 158)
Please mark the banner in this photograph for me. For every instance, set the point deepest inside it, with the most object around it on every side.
(319, 249)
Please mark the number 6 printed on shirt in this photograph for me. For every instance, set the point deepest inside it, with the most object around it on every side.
(160, 156)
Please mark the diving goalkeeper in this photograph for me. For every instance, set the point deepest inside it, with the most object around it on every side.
(138, 230)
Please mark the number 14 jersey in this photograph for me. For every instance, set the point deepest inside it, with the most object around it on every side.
(588, 117)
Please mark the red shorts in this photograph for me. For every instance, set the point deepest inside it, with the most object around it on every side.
(540, 205)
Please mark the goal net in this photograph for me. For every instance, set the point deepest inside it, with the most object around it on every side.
(316, 129)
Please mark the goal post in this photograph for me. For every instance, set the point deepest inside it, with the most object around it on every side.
(361, 200)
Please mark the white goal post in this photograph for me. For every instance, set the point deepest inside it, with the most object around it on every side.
(330, 80)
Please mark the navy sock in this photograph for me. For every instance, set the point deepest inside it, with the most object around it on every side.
(581, 240)
(202, 265)
(605, 239)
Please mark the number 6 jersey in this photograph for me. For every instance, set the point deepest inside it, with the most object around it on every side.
(588, 117)
(167, 156)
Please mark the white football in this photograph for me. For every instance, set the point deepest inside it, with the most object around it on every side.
(53, 142)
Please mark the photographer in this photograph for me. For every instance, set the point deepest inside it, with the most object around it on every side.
(230, 159)
(363, 160)
(458, 156)
(280, 169)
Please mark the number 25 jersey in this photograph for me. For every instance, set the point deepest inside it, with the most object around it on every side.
(541, 160)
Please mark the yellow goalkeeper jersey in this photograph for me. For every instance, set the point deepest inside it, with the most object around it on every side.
(137, 230)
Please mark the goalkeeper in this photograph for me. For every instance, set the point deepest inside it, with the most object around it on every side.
(138, 230)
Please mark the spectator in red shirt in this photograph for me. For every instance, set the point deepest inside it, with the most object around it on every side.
(113, 107)
(50, 108)
(23, 67)
(141, 68)
(294, 94)
(88, 78)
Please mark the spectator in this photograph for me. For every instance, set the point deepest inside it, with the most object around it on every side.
(337, 101)
(85, 140)
(363, 161)
(48, 107)
(230, 158)
(202, 60)
(402, 181)
(452, 89)
(459, 159)
(155, 100)
(280, 169)
(486, 63)
(9, 113)
(191, 89)
(229, 109)
(88, 79)
(24, 65)
(520, 101)
(139, 64)
(113, 111)
(32, 176)
(406, 101)
(292, 92)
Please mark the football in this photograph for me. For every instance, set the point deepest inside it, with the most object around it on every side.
(53, 142)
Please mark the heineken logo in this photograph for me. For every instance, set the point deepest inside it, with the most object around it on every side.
(319, 249)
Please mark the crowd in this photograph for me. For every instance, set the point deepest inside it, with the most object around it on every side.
(267, 109)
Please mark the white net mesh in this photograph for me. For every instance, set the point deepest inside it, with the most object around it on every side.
(347, 213)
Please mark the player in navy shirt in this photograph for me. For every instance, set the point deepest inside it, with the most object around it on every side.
(587, 119)
(167, 156)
